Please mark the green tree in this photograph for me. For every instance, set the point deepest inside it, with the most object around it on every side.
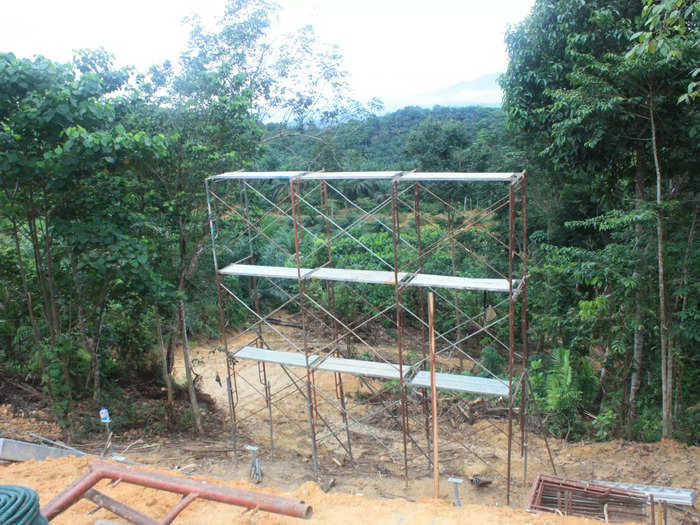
(602, 120)
(68, 170)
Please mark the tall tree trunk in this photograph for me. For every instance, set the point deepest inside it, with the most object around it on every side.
(164, 358)
(28, 296)
(81, 316)
(638, 345)
(97, 384)
(188, 370)
(666, 352)
(50, 280)
(36, 248)
(680, 305)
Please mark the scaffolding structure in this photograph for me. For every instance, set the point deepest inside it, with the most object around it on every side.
(375, 242)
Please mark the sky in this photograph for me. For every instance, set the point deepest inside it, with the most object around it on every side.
(405, 52)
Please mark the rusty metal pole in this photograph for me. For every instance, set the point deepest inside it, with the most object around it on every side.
(433, 397)
(339, 390)
(309, 380)
(253, 288)
(511, 330)
(120, 509)
(421, 315)
(222, 324)
(268, 402)
(523, 330)
(399, 328)
(458, 321)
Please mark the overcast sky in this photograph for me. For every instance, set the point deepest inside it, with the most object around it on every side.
(397, 50)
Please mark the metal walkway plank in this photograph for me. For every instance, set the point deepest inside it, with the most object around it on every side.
(350, 275)
(359, 367)
(460, 383)
(400, 176)
(252, 353)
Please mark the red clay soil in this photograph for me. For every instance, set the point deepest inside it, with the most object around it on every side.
(49, 477)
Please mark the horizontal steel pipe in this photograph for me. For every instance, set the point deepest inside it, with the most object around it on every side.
(204, 489)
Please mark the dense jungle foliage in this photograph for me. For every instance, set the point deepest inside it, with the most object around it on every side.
(104, 234)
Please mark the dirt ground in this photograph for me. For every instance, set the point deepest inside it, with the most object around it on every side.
(369, 489)
(50, 476)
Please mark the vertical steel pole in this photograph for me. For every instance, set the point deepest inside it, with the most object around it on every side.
(309, 396)
(268, 401)
(523, 330)
(458, 322)
(339, 390)
(433, 397)
(399, 328)
(421, 315)
(511, 330)
(222, 324)
(253, 289)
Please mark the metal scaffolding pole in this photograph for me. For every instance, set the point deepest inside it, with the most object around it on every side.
(523, 329)
(511, 330)
(339, 390)
(399, 327)
(309, 380)
(421, 314)
(317, 302)
(222, 326)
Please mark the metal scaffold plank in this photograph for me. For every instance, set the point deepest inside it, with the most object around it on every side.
(355, 276)
(370, 277)
(257, 175)
(400, 176)
(255, 270)
(459, 177)
(359, 367)
(252, 353)
(460, 283)
(352, 175)
(460, 383)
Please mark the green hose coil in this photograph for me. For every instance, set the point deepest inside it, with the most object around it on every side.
(20, 506)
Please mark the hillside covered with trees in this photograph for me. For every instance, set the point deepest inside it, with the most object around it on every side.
(104, 233)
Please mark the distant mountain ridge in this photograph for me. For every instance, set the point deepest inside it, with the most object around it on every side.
(482, 91)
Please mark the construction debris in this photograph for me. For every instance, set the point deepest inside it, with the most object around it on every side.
(15, 450)
(582, 498)
(670, 495)
(479, 481)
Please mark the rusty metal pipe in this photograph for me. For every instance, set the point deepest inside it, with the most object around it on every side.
(177, 509)
(180, 485)
(511, 331)
(119, 508)
(433, 398)
(70, 494)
